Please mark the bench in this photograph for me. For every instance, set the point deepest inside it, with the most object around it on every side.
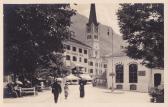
(28, 90)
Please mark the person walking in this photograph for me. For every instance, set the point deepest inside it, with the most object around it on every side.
(56, 90)
(66, 89)
(82, 88)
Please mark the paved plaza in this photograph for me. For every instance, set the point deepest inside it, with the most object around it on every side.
(92, 95)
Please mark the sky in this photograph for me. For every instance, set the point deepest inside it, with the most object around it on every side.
(106, 13)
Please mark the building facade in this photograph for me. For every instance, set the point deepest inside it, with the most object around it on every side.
(77, 55)
(131, 75)
(115, 71)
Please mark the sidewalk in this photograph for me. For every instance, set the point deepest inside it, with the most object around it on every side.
(92, 95)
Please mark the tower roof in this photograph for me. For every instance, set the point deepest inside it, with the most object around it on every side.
(92, 16)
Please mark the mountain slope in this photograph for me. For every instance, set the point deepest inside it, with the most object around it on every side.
(79, 27)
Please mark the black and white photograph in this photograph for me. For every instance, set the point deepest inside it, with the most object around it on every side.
(62, 53)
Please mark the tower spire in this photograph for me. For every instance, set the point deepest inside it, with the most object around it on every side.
(92, 16)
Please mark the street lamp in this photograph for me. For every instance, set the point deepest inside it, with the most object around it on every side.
(112, 75)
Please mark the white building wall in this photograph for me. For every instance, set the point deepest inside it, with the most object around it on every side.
(76, 53)
(143, 81)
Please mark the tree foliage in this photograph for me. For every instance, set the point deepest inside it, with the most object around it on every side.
(142, 26)
(32, 33)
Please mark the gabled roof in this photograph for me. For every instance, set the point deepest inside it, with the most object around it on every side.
(92, 16)
(78, 42)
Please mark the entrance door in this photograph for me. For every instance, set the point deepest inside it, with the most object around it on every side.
(157, 79)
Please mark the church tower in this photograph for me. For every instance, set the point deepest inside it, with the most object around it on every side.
(92, 33)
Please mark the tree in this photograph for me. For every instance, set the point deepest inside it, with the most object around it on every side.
(32, 33)
(142, 26)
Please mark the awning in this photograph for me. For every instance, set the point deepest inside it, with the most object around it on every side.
(85, 76)
(72, 77)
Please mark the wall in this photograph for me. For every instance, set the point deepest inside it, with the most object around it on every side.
(76, 53)
(143, 81)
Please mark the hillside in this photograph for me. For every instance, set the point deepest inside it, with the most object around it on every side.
(79, 25)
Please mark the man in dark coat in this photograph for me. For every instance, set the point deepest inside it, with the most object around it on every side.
(82, 88)
(56, 90)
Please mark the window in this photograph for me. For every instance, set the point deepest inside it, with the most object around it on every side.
(68, 57)
(68, 47)
(74, 48)
(96, 28)
(119, 73)
(96, 72)
(100, 71)
(108, 32)
(100, 64)
(91, 70)
(85, 70)
(89, 37)
(141, 73)
(96, 64)
(85, 51)
(80, 50)
(119, 86)
(96, 53)
(80, 59)
(91, 63)
(133, 87)
(105, 65)
(85, 60)
(88, 29)
(95, 37)
(74, 58)
(133, 73)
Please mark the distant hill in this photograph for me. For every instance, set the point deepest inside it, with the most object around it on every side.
(79, 27)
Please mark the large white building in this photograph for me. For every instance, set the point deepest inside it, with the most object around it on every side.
(114, 71)
(77, 55)
(129, 74)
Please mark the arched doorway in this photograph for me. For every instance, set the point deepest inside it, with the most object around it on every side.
(157, 79)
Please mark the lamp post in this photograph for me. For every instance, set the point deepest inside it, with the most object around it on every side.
(112, 75)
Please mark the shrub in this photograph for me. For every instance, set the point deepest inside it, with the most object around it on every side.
(157, 94)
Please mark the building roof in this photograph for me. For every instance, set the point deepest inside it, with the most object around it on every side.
(120, 54)
(78, 42)
(92, 16)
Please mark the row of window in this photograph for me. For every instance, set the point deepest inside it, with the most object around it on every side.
(68, 47)
(96, 64)
(90, 29)
(90, 37)
(133, 77)
(74, 58)
(132, 87)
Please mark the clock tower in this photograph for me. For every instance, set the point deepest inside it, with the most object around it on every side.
(92, 33)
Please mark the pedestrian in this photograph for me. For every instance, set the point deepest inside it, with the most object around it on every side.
(82, 88)
(56, 90)
(11, 89)
(66, 89)
(17, 90)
